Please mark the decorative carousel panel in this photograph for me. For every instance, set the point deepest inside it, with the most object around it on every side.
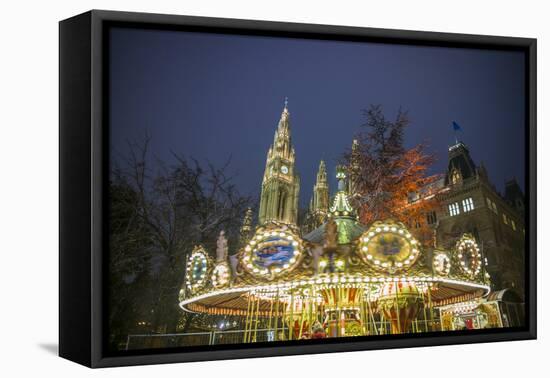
(197, 269)
(272, 253)
(389, 247)
(441, 263)
(468, 255)
(220, 275)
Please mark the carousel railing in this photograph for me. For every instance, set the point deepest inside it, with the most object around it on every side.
(173, 340)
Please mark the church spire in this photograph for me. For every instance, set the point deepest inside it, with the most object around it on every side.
(320, 200)
(320, 190)
(281, 183)
(245, 231)
(353, 168)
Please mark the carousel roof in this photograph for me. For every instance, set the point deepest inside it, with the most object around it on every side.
(349, 230)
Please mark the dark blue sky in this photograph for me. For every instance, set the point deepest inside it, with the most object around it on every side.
(213, 96)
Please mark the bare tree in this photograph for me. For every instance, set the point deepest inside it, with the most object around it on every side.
(385, 173)
(177, 207)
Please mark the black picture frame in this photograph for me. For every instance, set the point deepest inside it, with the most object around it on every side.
(83, 109)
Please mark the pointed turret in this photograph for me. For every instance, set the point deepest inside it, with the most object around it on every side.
(353, 168)
(245, 233)
(318, 208)
(320, 191)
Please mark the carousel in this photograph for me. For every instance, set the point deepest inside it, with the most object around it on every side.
(342, 279)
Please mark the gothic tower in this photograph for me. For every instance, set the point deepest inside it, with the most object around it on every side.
(281, 183)
(320, 200)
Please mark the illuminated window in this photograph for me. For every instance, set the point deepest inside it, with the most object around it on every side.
(513, 224)
(454, 209)
(492, 205)
(468, 204)
(504, 218)
(455, 176)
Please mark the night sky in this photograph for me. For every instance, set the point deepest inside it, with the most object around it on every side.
(218, 96)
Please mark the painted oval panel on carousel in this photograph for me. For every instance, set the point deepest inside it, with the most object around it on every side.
(468, 255)
(197, 267)
(220, 275)
(388, 247)
(272, 252)
(441, 263)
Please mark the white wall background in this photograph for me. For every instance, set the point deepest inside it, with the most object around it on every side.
(29, 185)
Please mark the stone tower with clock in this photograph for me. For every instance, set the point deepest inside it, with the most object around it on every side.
(281, 183)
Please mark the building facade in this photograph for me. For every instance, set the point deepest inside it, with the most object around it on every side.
(471, 204)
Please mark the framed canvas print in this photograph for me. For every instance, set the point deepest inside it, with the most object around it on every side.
(233, 188)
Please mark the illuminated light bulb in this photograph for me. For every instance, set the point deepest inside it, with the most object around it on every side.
(393, 229)
(364, 249)
(400, 231)
(247, 248)
(376, 262)
(369, 257)
(386, 228)
(295, 243)
(378, 229)
(371, 233)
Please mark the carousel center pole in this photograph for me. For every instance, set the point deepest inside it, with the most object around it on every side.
(246, 319)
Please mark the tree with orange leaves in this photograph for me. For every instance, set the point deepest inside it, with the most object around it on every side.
(389, 180)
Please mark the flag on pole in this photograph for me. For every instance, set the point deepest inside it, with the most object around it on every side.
(456, 126)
